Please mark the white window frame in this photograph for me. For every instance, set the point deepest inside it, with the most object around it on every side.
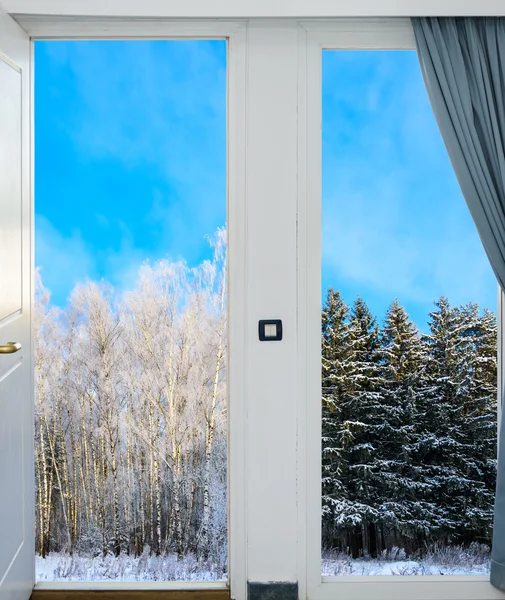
(274, 170)
(314, 38)
(234, 32)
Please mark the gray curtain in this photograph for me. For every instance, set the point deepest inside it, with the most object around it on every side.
(463, 65)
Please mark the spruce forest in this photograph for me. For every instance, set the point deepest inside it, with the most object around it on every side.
(131, 427)
(409, 428)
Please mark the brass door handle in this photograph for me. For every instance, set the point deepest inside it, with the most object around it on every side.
(10, 348)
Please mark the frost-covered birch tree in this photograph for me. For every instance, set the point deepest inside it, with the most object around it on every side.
(131, 415)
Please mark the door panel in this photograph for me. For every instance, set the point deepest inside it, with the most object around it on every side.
(16, 369)
(11, 464)
(10, 188)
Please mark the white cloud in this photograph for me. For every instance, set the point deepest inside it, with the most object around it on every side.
(365, 243)
(394, 221)
(150, 93)
(64, 260)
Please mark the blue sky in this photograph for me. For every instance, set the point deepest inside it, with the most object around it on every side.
(130, 156)
(395, 224)
(131, 165)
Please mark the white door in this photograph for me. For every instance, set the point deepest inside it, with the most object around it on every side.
(16, 371)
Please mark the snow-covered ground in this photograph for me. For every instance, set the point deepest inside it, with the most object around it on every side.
(452, 560)
(62, 567)
(401, 567)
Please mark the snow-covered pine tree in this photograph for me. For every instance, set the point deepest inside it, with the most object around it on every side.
(487, 380)
(358, 512)
(477, 393)
(335, 438)
(403, 512)
(439, 440)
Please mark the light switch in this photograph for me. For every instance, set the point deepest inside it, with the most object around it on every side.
(270, 330)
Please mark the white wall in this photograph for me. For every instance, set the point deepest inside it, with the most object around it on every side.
(257, 8)
(271, 293)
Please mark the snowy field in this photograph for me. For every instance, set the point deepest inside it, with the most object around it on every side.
(452, 560)
(62, 567)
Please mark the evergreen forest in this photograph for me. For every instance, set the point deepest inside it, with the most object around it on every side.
(408, 428)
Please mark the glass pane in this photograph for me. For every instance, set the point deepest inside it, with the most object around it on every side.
(409, 338)
(130, 320)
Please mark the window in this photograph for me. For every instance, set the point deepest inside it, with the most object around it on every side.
(274, 233)
(368, 249)
(409, 347)
(130, 312)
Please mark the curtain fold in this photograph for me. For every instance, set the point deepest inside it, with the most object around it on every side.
(463, 65)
